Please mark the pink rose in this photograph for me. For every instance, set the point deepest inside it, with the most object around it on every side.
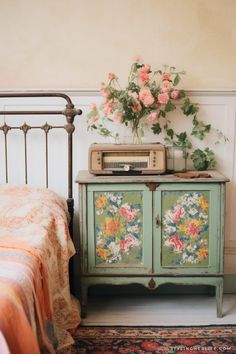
(111, 76)
(118, 118)
(107, 110)
(192, 229)
(145, 69)
(177, 213)
(174, 94)
(93, 107)
(152, 117)
(128, 212)
(133, 94)
(108, 106)
(163, 98)
(143, 74)
(176, 243)
(165, 77)
(143, 78)
(165, 86)
(146, 97)
(106, 93)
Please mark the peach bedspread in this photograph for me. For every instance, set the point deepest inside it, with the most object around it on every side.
(36, 308)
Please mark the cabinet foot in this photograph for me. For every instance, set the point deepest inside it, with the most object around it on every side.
(219, 299)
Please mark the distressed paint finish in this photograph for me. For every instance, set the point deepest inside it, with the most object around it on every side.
(185, 231)
(119, 227)
(168, 256)
(159, 261)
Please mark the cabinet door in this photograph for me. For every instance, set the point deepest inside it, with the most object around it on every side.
(119, 228)
(187, 233)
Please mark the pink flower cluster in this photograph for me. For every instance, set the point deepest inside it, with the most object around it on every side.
(146, 97)
(95, 117)
(176, 243)
(129, 241)
(166, 87)
(143, 74)
(177, 213)
(140, 102)
(128, 212)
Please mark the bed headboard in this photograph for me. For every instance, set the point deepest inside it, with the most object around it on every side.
(69, 112)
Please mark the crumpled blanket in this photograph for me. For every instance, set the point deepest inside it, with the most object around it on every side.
(36, 307)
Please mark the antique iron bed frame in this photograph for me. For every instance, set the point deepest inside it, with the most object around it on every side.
(69, 112)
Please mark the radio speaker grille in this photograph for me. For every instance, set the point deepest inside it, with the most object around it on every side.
(121, 164)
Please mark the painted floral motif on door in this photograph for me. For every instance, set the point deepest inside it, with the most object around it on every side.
(119, 228)
(185, 232)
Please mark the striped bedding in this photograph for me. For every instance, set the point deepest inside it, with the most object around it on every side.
(37, 311)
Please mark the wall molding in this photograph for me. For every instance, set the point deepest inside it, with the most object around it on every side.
(96, 92)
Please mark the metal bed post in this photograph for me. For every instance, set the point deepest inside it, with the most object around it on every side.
(69, 112)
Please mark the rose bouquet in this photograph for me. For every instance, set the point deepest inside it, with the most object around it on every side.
(145, 103)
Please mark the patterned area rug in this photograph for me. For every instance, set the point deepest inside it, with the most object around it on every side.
(148, 340)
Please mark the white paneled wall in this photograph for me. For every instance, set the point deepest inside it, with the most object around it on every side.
(217, 108)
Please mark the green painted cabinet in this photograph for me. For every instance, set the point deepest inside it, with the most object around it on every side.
(151, 230)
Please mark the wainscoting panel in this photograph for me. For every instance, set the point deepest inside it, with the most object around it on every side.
(216, 107)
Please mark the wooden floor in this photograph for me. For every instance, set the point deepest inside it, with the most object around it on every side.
(161, 310)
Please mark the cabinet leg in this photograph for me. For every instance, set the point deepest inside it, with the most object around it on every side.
(84, 298)
(219, 299)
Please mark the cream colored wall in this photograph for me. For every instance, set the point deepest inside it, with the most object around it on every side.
(74, 43)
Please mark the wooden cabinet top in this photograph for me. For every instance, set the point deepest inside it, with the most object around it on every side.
(86, 177)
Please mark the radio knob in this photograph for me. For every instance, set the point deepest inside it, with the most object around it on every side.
(127, 167)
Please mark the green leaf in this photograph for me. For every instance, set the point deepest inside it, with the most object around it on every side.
(200, 129)
(182, 94)
(203, 159)
(156, 128)
(195, 121)
(182, 136)
(176, 80)
(162, 113)
(169, 106)
(189, 108)
(105, 132)
(170, 133)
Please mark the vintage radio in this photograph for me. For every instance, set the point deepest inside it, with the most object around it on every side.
(107, 159)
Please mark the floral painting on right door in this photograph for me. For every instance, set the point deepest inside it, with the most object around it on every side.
(185, 229)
